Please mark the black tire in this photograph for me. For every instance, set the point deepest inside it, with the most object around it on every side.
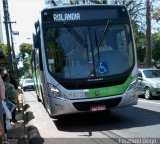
(147, 93)
(43, 99)
(39, 100)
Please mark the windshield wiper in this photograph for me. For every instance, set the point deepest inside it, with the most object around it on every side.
(103, 33)
(76, 35)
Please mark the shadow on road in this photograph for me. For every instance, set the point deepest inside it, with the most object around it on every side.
(153, 97)
(32, 131)
(34, 136)
(29, 116)
(118, 119)
(26, 106)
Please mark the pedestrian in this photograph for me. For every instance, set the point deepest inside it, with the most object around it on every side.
(14, 82)
(10, 94)
(2, 97)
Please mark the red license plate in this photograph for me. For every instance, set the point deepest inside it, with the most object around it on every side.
(98, 108)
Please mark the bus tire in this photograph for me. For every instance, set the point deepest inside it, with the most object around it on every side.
(39, 100)
(43, 100)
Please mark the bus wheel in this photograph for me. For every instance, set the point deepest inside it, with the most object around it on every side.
(147, 93)
(39, 100)
(43, 100)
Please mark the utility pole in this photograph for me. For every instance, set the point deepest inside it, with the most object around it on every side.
(6, 20)
(148, 35)
(14, 64)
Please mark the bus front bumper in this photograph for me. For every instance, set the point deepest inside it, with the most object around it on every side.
(63, 107)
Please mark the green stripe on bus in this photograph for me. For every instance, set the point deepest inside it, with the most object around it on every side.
(109, 91)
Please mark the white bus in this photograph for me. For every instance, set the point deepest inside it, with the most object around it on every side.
(84, 59)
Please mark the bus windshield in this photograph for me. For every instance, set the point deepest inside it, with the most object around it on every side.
(88, 51)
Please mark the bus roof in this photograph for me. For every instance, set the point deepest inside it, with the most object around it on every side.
(82, 6)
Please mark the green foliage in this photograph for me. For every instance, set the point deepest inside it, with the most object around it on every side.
(4, 54)
(28, 75)
(25, 51)
(1, 53)
(156, 46)
(156, 13)
(26, 63)
(21, 71)
(4, 50)
(140, 39)
(136, 9)
(24, 57)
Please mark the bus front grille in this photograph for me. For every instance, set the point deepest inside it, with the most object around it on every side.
(85, 106)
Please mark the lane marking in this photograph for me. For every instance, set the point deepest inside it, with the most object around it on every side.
(149, 102)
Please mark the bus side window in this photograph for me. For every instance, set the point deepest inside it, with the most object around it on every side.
(33, 59)
(37, 45)
(39, 51)
(37, 58)
(40, 60)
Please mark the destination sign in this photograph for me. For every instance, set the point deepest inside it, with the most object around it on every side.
(66, 17)
(83, 13)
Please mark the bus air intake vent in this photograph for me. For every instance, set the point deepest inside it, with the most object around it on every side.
(85, 106)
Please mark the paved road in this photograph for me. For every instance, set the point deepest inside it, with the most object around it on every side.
(135, 124)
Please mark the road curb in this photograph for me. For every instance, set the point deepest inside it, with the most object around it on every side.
(22, 105)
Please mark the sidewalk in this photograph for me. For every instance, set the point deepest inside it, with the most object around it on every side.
(17, 135)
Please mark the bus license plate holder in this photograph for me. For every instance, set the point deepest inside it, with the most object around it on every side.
(98, 108)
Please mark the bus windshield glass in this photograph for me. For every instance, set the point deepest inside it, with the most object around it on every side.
(88, 51)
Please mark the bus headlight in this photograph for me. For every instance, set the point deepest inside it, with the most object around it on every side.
(132, 85)
(56, 92)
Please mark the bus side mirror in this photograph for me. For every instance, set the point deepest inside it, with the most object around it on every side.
(35, 41)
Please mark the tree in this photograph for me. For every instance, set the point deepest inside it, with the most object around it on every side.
(25, 51)
(4, 49)
(156, 48)
(25, 57)
(140, 39)
(156, 12)
(136, 10)
(4, 54)
(156, 15)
